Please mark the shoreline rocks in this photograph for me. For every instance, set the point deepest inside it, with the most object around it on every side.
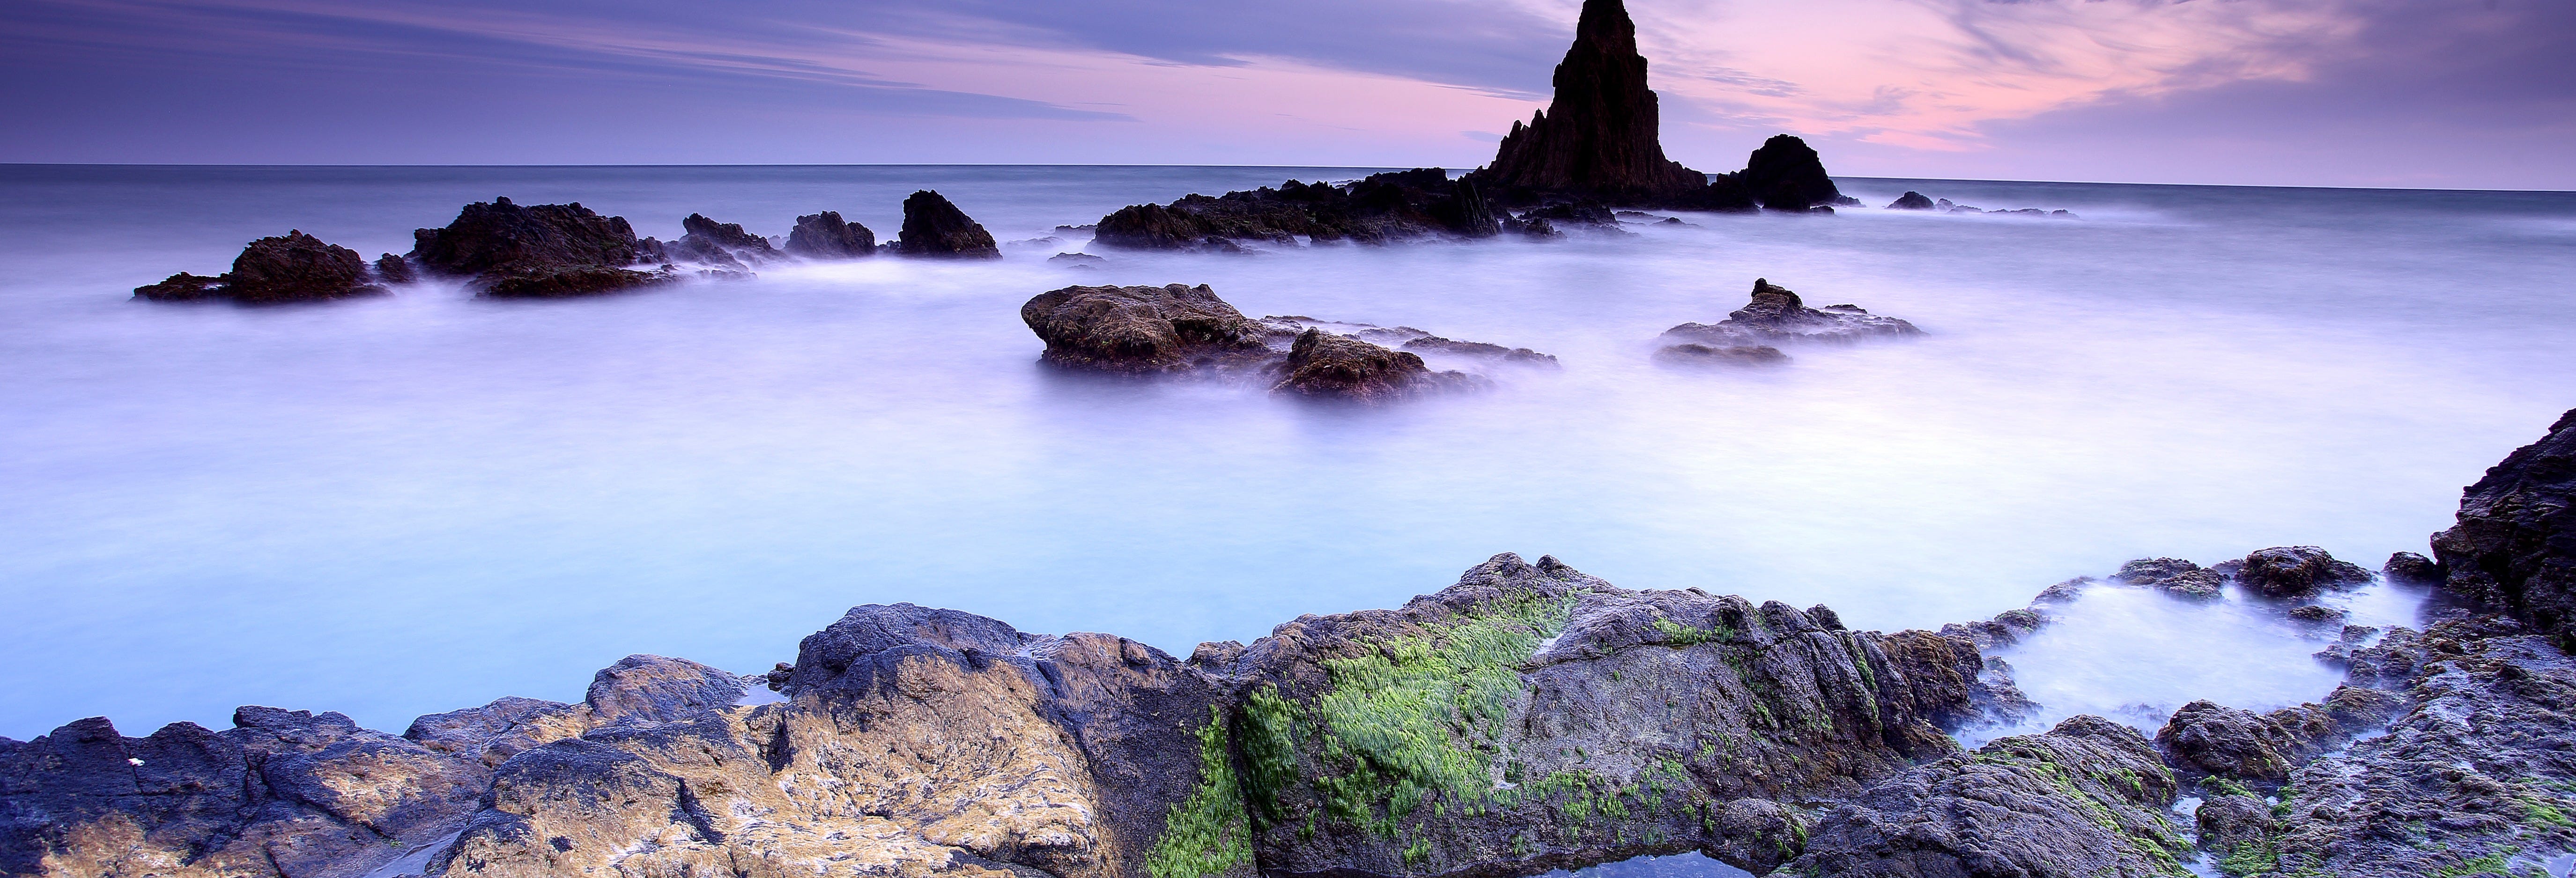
(934, 227)
(509, 250)
(1342, 367)
(825, 236)
(2514, 546)
(293, 267)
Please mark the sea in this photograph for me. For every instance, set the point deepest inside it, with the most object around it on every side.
(423, 501)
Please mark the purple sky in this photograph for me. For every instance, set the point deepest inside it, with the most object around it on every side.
(2435, 93)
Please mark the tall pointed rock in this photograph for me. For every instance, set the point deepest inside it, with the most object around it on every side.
(1600, 137)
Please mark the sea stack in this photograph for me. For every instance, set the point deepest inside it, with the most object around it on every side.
(1599, 137)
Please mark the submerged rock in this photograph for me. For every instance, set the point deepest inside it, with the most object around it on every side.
(934, 227)
(1911, 200)
(1730, 355)
(1777, 315)
(1478, 349)
(1321, 364)
(2297, 572)
(293, 267)
(181, 287)
(825, 236)
(547, 250)
(2514, 546)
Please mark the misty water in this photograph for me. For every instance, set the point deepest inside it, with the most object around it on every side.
(424, 501)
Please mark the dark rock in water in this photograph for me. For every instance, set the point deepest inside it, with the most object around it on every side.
(2297, 571)
(1786, 174)
(1322, 364)
(568, 281)
(2411, 568)
(720, 243)
(547, 250)
(1075, 259)
(2173, 576)
(1380, 208)
(1140, 329)
(2318, 614)
(2086, 799)
(1478, 349)
(934, 227)
(1574, 213)
(2233, 824)
(1911, 200)
(825, 236)
(2205, 739)
(2514, 545)
(1284, 331)
(1730, 355)
(393, 269)
(182, 287)
(1777, 315)
(1600, 136)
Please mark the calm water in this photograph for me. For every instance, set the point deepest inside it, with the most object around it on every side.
(425, 501)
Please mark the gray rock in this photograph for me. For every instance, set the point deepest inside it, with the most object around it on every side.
(1776, 315)
(1324, 365)
(653, 689)
(1142, 329)
(2297, 572)
(2173, 576)
(1729, 355)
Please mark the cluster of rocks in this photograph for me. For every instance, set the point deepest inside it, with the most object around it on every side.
(508, 250)
(1912, 200)
(1527, 718)
(1176, 329)
(1376, 209)
(1749, 335)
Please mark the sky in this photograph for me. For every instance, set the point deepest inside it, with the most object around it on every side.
(2398, 93)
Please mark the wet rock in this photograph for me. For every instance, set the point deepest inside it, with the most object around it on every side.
(1786, 174)
(1381, 208)
(722, 244)
(653, 689)
(542, 251)
(1075, 259)
(1599, 137)
(1322, 364)
(1485, 350)
(1141, 329)
(2173, 576)
(934, 227)
(1776, 315)
(2297, 571)
(2206, 739)
(825, 236)
(182, 287)
(2234, 825)
(393, 270)
(2063, 593)
(2086, 799)
(2319, 615)
(1911, 201)
(1722, 356)
(2411, 568)
(569, 281)
(2514, 546)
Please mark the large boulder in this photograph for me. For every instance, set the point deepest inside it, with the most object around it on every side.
(1600, 136)
(2514, 546)
(1776, 315)
(1140, 329)
(934, 227)
(293, 267)
(720, 244)
(1322, 364)
(511, 250)
(1786, 174)
(825, 236)
(2297, 571)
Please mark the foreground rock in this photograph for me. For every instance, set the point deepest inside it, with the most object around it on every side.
(1776, 315)
(825, 236)
(2514, 546)
(511, 250)
(1381, 208)
(2297, 571)
(293, 267)
(1340, 366)
(934, 227)
(1141, 329)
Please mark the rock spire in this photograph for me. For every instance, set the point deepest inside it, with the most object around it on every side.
(1599, 137)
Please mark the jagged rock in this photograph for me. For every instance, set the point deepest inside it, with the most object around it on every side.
(2063, 593)
(1141, 329)
(2231, 823)
(2173, 576)
(1478, 349)
(1911, 200)
(721, 244)
(1380, 208)
(2086, 799)
(2316, 614)
(2205, 739)
(181, 287)
(542, 251)
(1580, 214)
(1322, 364)
(2514, 545)
(1600, 137)
(825, 236)
(1730, 355)
(1777, 315)
(934, 227)
(2297, 571)
(2412, 568)
(1786, 174)
(393, 270)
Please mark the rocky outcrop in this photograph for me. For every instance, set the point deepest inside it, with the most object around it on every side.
(2297, 571)
(1786, 174)
(2173, 576)
(2514, 546)
(393, 270)
(1283, 331)
(724, 245)
(1729, 355)
(1600, 138)
(511, 250)
(293, 267)
(2086, 799)
(934, 227)
(1141, 329)
(2411, 568)
(1321, 364)
(825, 236)
(1775, 315)
(1911, 200)
(1377, 209)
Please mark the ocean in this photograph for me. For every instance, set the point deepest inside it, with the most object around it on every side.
(423, 501)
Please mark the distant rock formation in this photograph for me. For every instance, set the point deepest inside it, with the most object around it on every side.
(2514, 546)
(293, 267)
(1600, 138)
(1378, 209)
(544, 251)
(1911, 200)
(934, 227)
(1786, 174)
(825, 236)
(725, 245)
(1730, 355)
(1777, 315)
